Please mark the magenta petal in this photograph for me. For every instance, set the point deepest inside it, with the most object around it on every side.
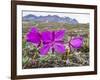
(59, 48)
(33, 36)
(34, 29)
(76, 42)
(44, 50)
(59, 35)
(47, 36)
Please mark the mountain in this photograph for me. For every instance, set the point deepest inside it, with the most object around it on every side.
(49, 18)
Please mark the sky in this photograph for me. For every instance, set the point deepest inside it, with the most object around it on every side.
(80, 17)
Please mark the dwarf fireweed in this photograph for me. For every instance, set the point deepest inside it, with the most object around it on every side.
(52, 40)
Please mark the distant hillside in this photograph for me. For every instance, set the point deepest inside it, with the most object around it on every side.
(50, 18)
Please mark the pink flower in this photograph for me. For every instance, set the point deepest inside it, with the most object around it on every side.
(76, 42)
(53, 40)
(34, 36)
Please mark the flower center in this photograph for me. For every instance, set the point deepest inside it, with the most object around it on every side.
(52, 43)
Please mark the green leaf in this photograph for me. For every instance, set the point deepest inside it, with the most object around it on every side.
(25, 59)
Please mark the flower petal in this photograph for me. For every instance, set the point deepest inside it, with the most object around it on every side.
(47, 36)
(34, 29)
(59, 48)
(76, 42)
(33, 36)
(44, 50)
(59, 35)
(67, 61)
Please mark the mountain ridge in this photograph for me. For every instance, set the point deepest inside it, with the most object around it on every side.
(50, 18)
